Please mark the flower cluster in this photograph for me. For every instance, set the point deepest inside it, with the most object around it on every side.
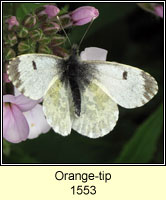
(40, 32)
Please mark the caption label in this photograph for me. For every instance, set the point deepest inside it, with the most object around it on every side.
(84, 178)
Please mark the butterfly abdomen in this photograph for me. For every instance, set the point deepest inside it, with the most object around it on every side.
(76, 94)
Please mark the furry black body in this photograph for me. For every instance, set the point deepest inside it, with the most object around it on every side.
(77, 75)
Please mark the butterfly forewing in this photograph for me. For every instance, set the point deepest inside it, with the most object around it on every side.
(32, 73)
(128, 86)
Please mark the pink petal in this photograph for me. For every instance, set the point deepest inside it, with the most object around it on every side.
(51, 10)
(84, 12)
(8, 98)
(17, 93)
(15, 126)
(36, 121)
(82, 21)
(159, 11)
(25, 103)
(6, 119)
(94, 53)
(6, 78)
(12, 21)
(84, 15)
(22, 102)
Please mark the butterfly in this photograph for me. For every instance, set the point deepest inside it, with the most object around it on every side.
(81, 95)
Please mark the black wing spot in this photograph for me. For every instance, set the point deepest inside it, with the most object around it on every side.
(34, 65)
(125, 75)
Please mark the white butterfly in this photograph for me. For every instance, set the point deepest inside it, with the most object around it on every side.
(81, 95)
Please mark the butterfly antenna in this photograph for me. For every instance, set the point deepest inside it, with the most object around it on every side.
(86, 32)
(63, 30)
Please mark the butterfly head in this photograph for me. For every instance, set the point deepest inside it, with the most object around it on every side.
(75, 50)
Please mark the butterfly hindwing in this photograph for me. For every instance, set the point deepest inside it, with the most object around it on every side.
(99, 113)
(32, 73)
(128, 86)
(56, 107)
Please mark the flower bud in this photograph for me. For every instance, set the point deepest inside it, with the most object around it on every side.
(23, 32)
(159, 10)
(57, 40)
(45, 40)
(27, 46)
(59, 51)
(23, 46)
(50, 10)
(44, 49)
(30, 21)
(6, 78)
(11, 39)
(84, 15)
(50, 28)
(9, 53)
(12, 21)
(36, 34)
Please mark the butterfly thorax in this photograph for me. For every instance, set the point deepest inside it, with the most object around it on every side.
(77, 75)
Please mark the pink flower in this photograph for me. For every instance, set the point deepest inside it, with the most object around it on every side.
(12, 21)
(50, 10)
(36, 121)
(15, 125)
(6, 78)
(22, 118)
(94, 53)
(84, 15)
(159, 10)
